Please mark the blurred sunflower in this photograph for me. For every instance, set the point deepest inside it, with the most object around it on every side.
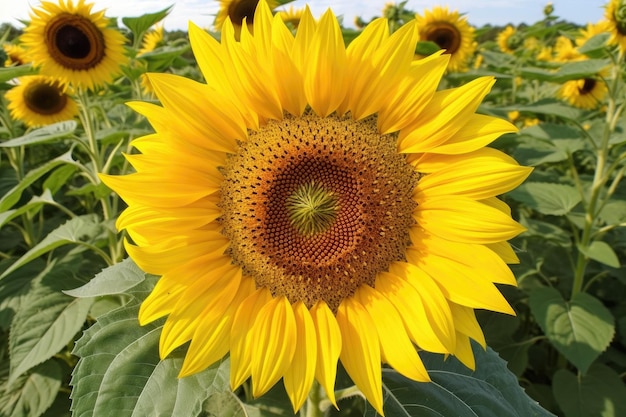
(73, 44)
(16, 55)
(587, 93)
(313, 203)
(451, 32)
(615, 14)
(151, 40)
(291, 16)
(508, 40)
(545, 54)
(237, 11)
(38, 100)
(565, 51)
(591, 30)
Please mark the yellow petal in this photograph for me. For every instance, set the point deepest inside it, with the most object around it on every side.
(479, 131)
(299, 377)
(460, 283)
(360, 353)
(160, 302)
(413, 286)
(291, 87)
(505, 251)
(444, 116)
(325, 83)
(241, 342)
(482, 174)
(395, 346)
(274, 334)
(328, 347)
(464, 352)
(211, 294)
(461, 219)
(210, 341)
(465, 322)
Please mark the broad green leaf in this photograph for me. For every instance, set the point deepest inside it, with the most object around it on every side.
(569, 71)
(59, 178)
(138, 25)
(580, 329)
(115, 279)
(601, 252)
(9, 73)
(614, 212)
(32, 207)
(426, 48)
(43, 134)
(11, 197)
(535, 152)
(77, 230)
(598, 393)
(32, 394)
(47, 319)
(550, 107)
(545, 231)
(490, 391)
(596, 46)
(15, 288)
(547, 198)
(119, 373)
(274, 403)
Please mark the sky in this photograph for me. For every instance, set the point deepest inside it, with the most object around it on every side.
(202, 12)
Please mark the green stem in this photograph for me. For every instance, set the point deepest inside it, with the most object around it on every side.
(313, 405)
(600, 178)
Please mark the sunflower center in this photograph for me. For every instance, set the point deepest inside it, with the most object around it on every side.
(620, 17)
(240, 9)
(587, 86)
(44, 98)
(74, 42)
(315, 207)
(445, 35)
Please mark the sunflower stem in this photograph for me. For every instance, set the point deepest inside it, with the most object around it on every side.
(314, 405)
(601, 175)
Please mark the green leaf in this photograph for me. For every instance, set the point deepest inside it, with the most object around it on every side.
(549, 107)
(598, 393)
(31, 395)
(12, 196)
(569, 71)
(547, 198)
(32, 207)
(596, 46)
(77, 230)
(601, 252)
(47, 319)
(59, 178)
(426, 48)
(115, 279)
(15, 288)
(44, 134)
(138, 25)
(9, 73)
(274, 403)
(490, 391)
(580, 329)
(119, 373)
(614, 211)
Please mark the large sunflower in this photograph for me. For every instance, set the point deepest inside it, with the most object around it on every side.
(237, 11)
(312, 203)
(73, 44)
(451, 32)
(586, 93)
(38, 100)
(615, 14)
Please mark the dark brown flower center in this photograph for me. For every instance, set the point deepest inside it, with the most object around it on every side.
(240, 9)
(45, 98)
(347, 172)
(446, 35)
(588, 86)
(74, 42)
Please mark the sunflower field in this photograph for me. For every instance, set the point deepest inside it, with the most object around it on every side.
(290, 215)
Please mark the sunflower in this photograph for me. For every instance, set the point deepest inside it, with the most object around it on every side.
(615, 14)
(587, 93)
(16, 55)
(451, 32)
(38, 100)
(151, 40)
(591, 30)
(565, 51)
(291, 16)
(312, 203)
(508, 40)
(73, 44)
(237, 11)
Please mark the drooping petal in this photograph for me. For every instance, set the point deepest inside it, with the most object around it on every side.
(395, 346)
(360, 352)
(274, 334)
(300, 375)
(465, 322)
(328, 347)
